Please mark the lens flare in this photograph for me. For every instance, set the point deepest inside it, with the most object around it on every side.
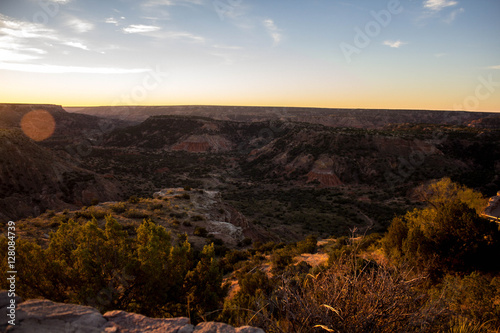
(38, 125)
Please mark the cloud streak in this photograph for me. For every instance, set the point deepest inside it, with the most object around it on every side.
(79, 25)
(154, 3)
(183, 35)
(55, 69)
(273, 30)
(453, 15)
(140, 29)
(438, 5)
(77, 45)
(26, 39)
(394, 44)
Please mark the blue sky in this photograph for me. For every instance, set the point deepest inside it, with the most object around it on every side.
(416, 54)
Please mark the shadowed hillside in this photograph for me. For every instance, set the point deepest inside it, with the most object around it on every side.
(67, 127)
(34, 179)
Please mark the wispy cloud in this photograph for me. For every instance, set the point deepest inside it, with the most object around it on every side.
(77, 45)
(13, 50)
(79, 25)
(23, 29)
(19, 39)
(434, 10)
(394, 44)
(22, 41)
(157, 32)
(273, 30)
(453, 15)
(183, 35)
(62, 2)
(494, 67)
(226, 47)
(55, 69)
(140, 29)
(13, 55)
(111, 20)
(114, 20)
(439, 55)
(153, 3)
(437, 5)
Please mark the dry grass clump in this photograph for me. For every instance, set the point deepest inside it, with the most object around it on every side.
(346, 298)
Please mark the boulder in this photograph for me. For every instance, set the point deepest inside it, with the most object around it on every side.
(124, 322)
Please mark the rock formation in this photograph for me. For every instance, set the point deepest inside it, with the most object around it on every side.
(323, 172)
(218, 217)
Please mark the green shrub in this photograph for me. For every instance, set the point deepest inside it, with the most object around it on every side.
(264, 248)
(452, 238)
(54, 224)
(251, 301)
(308, 245)
(119, 207)
(133, 199)
(109, 270)
(136, 214)
(91, 213)
(155, 206)
(280, 259)
(474, 296)
(200, 232)
(448, 236)
(232, 257)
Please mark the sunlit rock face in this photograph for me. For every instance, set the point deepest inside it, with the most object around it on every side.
(493, 208)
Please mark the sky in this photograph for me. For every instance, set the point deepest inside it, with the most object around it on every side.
(389, 54)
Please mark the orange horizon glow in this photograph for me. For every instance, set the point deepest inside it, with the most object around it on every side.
(368, 106)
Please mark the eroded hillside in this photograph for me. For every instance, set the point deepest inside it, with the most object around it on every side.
(34, 178)
(294, 177)
(290, 177)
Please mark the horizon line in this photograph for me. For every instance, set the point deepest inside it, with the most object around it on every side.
(246, 106)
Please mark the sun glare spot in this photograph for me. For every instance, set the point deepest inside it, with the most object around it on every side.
(38, 125)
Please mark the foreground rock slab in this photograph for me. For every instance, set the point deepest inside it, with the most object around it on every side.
(44, 316)
(124, 322)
